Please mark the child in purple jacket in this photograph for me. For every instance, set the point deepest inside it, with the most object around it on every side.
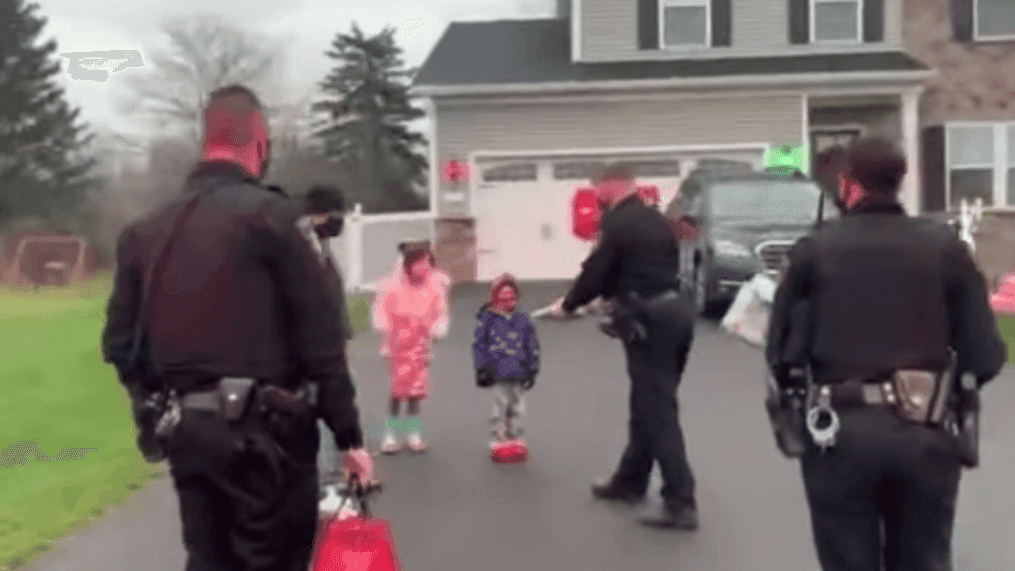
(506, 356)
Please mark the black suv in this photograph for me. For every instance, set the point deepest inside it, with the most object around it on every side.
(747, 223)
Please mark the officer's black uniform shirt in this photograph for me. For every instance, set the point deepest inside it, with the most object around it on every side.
(882, 291)
(239, 293)
(637, 252)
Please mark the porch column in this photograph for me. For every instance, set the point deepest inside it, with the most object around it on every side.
(910, 192)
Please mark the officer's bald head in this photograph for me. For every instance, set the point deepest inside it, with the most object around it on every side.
(231, 117)
(614, 184)
(235, 130)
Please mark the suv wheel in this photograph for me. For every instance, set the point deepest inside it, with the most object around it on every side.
(700, 289)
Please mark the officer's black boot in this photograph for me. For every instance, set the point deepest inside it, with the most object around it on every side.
(674, 515)
(609, 490)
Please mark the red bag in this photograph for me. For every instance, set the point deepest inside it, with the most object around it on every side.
(361, 543)
(585, 214)
(509, 452)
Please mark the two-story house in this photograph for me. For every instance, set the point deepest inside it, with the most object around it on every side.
(967, 114)
(535, 107)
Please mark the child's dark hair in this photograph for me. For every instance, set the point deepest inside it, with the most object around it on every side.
(415, 251)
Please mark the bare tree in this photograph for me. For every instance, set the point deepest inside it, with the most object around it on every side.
(207, 52)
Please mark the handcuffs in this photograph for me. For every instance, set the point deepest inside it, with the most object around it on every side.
(824, 437)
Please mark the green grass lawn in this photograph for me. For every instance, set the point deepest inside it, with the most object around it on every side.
(58, 394)
(1006, 325)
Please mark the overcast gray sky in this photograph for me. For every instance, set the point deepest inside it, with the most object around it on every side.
(308, 25)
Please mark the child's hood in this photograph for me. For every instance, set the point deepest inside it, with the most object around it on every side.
(500, 282)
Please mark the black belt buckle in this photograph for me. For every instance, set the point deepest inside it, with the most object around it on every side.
(234, 396)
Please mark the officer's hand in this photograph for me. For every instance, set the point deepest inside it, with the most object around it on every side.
(529, 382)
(358, 461)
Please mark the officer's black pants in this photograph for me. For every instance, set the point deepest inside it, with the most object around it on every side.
(884, 494)
(252, 509)
(655, 369)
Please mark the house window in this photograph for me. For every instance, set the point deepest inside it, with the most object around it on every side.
(822, 141)
(836, 20)
(685, 23)
(654, 169)
(577, 170)
(971, 163)
(994, 19)
(511, 172)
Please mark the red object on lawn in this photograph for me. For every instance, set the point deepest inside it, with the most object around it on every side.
(509, 452)
(355, 544)
(1003, 300)
(585, 214)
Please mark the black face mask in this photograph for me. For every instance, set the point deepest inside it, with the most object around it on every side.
(331, 228)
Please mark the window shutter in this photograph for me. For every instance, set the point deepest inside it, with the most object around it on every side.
(722, 23)
(648, 24)
(873, 20)
(962, 19)
(799, 22)
(934, 169)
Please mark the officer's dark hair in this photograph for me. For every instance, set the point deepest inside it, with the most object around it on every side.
(322, 199)
(617, 172)
(876, 165)
(227, 118)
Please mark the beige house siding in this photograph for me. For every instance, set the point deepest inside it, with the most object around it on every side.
(609, 32)
(976, 80)
(542, 126)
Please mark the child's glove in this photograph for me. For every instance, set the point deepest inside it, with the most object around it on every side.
(483, 378)
(528, 382)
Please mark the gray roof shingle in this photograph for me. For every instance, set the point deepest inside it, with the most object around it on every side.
(535, 51)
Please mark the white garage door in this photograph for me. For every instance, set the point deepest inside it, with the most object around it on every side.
(523, 208)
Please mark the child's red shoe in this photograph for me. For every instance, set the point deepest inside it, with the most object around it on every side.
(509, 452)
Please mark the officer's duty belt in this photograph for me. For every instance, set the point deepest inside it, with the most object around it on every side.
(857, 393)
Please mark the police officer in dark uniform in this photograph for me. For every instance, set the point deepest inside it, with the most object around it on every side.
(884, 303)
(232, 311)
(636, 263)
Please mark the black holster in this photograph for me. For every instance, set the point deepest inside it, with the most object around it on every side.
(963, 421)
(286, 412)
(156, 414)
(787, 413)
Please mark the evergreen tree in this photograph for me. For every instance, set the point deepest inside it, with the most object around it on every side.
(367, 110)
(44, 170)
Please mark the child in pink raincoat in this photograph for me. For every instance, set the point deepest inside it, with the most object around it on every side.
(410, 310)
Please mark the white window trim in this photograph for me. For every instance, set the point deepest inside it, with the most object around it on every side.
(812, 16)
(663, 4)
(999, 167)
(976, 28)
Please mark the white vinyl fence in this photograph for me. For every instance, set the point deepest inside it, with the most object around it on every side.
(368, 247)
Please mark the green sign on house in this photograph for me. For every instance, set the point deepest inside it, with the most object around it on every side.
(786, 159)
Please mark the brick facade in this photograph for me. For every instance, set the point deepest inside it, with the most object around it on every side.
(455, 248)
(977, 79)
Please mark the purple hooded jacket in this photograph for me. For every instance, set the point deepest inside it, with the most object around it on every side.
(506, 346)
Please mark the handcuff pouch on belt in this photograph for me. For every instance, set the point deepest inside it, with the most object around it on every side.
(280, 409)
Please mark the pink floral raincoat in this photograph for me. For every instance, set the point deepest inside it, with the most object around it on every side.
(409, 317)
